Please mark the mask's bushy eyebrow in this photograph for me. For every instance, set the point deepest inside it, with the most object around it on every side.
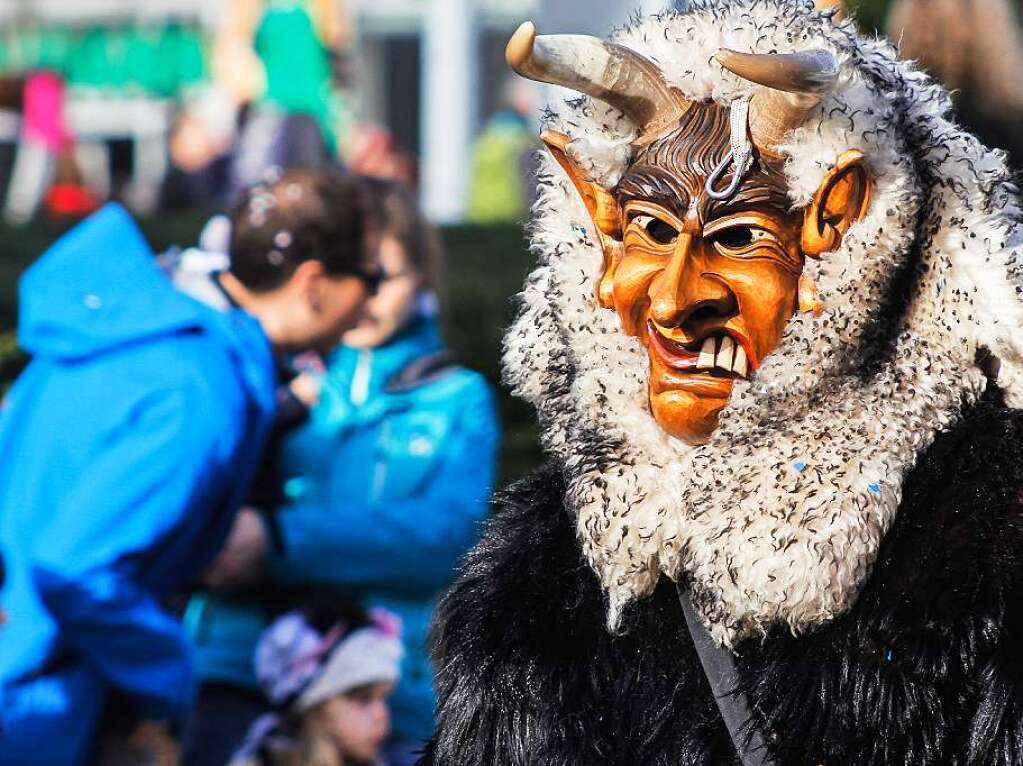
(675, 167)
(654, 185)
(763, 189)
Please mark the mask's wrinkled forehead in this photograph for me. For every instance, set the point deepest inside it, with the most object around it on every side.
(673, 169)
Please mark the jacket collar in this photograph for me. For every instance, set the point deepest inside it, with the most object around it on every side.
(365, 373)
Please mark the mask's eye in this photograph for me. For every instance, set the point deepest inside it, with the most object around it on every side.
(740, 237)
(656, 229)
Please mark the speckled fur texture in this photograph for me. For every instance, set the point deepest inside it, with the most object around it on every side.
(925, 669)
(778, 520)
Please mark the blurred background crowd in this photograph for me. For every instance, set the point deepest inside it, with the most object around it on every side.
(233, 130)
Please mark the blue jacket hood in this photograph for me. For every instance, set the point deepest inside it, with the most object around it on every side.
(100, 287)
(97, 288)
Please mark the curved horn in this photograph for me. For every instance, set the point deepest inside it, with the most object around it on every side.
(793, 85)
(611, 73)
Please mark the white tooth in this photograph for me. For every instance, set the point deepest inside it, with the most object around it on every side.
(741, 364)
(724, 360)
(706, 360)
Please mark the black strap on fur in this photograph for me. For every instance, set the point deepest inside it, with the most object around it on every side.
(719, 667)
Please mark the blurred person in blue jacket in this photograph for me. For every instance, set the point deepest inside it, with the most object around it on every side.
(3, 579)
(129, 440)
(383, 489)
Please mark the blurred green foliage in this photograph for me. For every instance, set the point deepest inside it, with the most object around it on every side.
(12, 360)
(486, 267)
(870, 14)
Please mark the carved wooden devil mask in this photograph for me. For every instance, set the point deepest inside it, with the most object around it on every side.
(703, 255)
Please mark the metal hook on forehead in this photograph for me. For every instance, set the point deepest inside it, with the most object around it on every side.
(740, 153)
(717, 175)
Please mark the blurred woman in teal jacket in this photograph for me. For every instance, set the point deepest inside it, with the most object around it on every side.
(383, 489)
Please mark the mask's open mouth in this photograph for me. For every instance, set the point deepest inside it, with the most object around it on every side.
(717, 353)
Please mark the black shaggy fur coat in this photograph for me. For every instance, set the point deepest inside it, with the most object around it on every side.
(927, 668)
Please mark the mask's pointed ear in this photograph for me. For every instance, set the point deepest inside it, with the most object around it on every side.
(602, 207)
(841, 200)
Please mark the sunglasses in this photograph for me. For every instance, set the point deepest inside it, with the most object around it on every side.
(372, 279)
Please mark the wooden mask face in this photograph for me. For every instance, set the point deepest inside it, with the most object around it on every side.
(708, 286)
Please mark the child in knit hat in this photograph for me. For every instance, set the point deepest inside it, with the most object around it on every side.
(329, 673)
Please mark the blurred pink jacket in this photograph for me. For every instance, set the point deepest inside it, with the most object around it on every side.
(44, 111)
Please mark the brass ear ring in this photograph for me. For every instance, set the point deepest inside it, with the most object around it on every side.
(809, 300)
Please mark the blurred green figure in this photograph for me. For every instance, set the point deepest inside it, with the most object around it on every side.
(297, 63)
(501, 186)
(281, 57)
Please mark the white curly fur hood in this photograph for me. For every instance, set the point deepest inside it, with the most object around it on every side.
(779, 517)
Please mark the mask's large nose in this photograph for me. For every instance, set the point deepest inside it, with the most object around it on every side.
(684, 296)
